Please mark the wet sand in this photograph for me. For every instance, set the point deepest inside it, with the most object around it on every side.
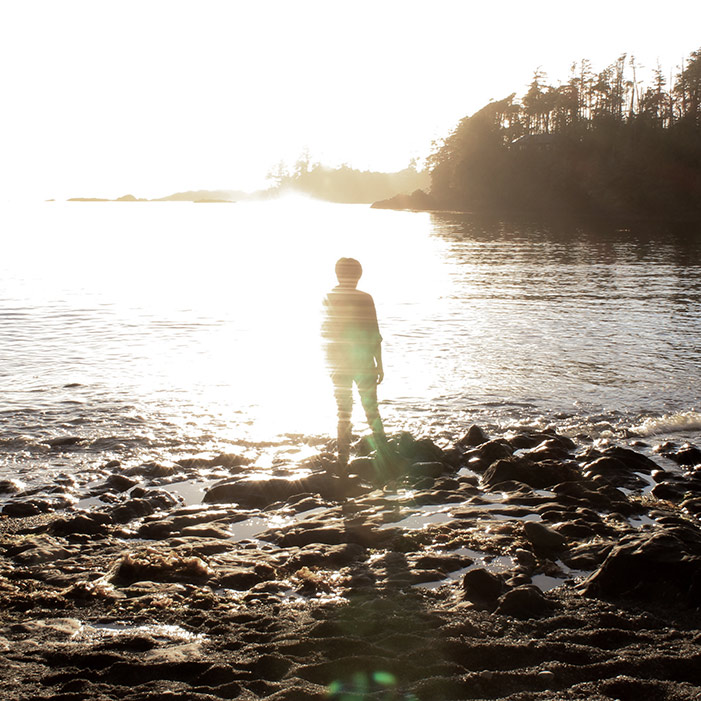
(520, 568)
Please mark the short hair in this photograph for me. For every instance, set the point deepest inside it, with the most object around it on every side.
(348, 269)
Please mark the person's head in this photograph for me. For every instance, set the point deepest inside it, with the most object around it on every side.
(348, 271)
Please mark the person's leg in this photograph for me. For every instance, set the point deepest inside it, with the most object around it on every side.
(342, 386)
(367, 388)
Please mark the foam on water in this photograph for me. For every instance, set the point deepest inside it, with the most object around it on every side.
(680, 422)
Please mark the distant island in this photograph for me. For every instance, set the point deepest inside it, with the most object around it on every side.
(187, 196)
(602, 145)
(342, 184)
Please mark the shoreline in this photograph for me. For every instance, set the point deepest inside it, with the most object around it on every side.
(527, 568)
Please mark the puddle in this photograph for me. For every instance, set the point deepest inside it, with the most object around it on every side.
(192, 492)
(639, 521)
(251, 527)
(423, 516)
(491, 563)
(545, 582)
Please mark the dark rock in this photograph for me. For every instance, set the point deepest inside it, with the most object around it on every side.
(65, 442)
(151, 470)
(542, 537)
(421, 450)
(687, 455)
(425, 469)
(21, 509)
(524, 602)
(482, 588)
(671, 491)
(661, 566)
(548, 450)
(10, 486)
(120, 483)
(629, 459)
(538, 475)
(239, 578)
(576, 530)
(327, 555)
(88, 524)
(492, 451)
(475, 436)
(205, 531)
(257, 493)
(134, 508)
(156, 530)
(692, 505)
(228, 460)
(613, 471)
(442, 563)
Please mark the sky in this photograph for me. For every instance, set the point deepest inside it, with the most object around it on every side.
(102, 98)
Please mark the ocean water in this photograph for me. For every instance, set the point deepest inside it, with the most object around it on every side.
(154, 331)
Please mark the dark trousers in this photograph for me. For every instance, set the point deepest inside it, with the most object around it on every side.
(343, 390)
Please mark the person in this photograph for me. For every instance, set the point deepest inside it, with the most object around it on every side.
(353, 347)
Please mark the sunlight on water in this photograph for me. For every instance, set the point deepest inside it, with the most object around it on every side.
(220, 304)
(151, 322)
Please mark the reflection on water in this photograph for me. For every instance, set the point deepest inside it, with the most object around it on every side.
(169, 324)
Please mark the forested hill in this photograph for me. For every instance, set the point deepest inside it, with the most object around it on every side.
(345, 184)
(600, 145)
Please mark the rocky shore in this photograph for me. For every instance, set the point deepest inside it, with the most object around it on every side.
(523, 567)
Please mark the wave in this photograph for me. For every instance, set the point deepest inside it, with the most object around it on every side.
(680, 422)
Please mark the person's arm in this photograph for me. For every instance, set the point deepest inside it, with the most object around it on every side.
(378, 362)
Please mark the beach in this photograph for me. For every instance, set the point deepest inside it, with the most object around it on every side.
(525, 566)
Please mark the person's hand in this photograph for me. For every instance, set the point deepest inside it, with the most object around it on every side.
(380, 375)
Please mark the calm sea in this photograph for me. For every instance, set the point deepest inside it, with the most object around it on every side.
(150, 331)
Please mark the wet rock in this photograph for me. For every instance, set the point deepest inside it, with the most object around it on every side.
(692, 505)
(548, 450)
(205, 531)
(11, 486)
(94, 523)
(532, 439)
(21, 509)
(151, 470)
(425, 469)
(542, 537)
(421, 450)
(492, 451)
(662, 566)
(65, 442)
(257, 493)
(228, 460)
(442, 563)
(539, 475)
(578, 530)
(475, 436)
(156, 530)
(482, 588)
(134, 508)
(526, 559)
(672, 490)
(239, 578)
(524, 602)
(120, 483)
(631, 459)
(687, 455)
(157, 567)
(42, 549)
(327, 555)
(613, 471)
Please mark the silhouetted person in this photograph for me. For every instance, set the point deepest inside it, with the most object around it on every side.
(353, 352)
